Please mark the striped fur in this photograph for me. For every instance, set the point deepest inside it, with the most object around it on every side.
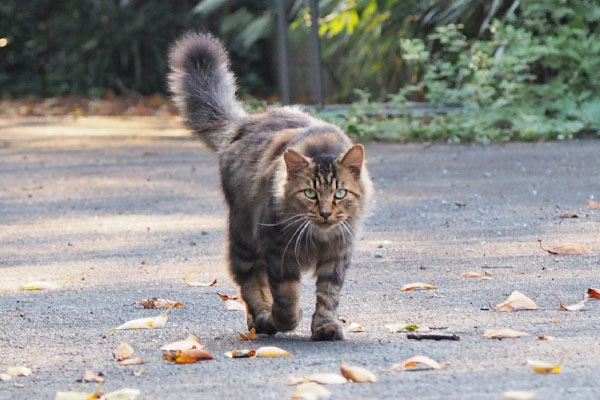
(280, 171)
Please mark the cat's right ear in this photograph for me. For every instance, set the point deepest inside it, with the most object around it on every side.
(294, 161)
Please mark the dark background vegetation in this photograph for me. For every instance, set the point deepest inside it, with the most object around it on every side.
(519, 70)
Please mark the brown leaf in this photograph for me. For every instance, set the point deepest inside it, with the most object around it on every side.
(192, 283)
(226, 297)
(189, 343)
(566, 249)
(502, 333)
(357, 374)
(155, 302)
(593, 204)
(417, 285)
(476, 275)
(187, 356)
(132, 361)
(571, 215)
(417, 360)
(574, 307)
(245, 353)
(123, 352)
(250, 336)
(90, 376)
(516, 301)
(593, 293)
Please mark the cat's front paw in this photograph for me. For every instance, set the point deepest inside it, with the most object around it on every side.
(328, 330)
(263, 323)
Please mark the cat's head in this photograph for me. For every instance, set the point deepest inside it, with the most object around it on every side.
(327, 190)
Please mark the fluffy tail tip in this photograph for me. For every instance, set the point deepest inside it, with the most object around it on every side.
(197, 51)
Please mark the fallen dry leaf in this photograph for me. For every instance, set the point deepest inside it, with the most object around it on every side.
(356, 327)
(138, 372)
(398, 328)
(146, 323)
(357, 374)
(542, 367)
(155, 302)
(5, 377)
(593, 204)
(593, 293)
(324, 378)
(18, 371)
(417, 360)
(571, 215)
(234, 305)
(91, 376)
(250, 336)
(417, 285)
(76, 396)
(516, 301)
(226, 297)
(476, 275)
(244, 353)
(566, 249)
(190, 342)
(121, 394)
(271, 351)
(132, 361)
(546, 337)
(310, 391)
(503, 333)
(192, 283)
(187, 356)
(43, 285)
(519, 395)
(574, 307)
(123, 352)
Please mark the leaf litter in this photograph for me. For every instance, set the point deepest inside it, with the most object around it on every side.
(573, 307)
(155, 302)
(146, 323)
(503, 333)
(516, 301)
(192, 283)
(418, 361)
(567, 249)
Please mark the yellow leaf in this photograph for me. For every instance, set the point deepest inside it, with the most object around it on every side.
(76, 396)
(503, 333)
(123, 352)
(192, 283)
(250, 336)
(42, 285)
(542, 367)
(310, 391)
(417, 360)
(516, 301)
(272, 351)
(519, 395)
(357, 374)
(155, 302)
(187, 356)
(356, 327)
(146, 323)
(191, 342)
(417, 285)
(18, 371)
(574, 307)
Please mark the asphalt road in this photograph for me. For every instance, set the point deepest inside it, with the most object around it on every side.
(122, 209)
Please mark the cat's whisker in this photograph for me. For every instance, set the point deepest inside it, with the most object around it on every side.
(284, 221)
(342, 232)
(299, 240)
(288, 245)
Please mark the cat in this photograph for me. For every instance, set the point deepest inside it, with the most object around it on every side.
(296, 186)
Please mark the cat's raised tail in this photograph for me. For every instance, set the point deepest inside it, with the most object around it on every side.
(203, 87)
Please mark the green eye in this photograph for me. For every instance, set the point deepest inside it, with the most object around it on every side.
(340, 194)
(311, 194)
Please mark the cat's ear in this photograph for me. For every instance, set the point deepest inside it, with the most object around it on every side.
(353, 159)
(294, 161)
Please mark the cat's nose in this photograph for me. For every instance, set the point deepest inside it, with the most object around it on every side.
(325, 213)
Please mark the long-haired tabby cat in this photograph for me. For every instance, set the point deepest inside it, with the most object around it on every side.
(297, 190)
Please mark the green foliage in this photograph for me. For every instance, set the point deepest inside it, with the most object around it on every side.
(534, 77)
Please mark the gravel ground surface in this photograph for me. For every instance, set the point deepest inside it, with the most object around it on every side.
(121, 209)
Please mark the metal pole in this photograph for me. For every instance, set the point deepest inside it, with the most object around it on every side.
(316, 49)
(284, 76)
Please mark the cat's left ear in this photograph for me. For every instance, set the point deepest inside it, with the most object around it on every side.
(353, 159)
